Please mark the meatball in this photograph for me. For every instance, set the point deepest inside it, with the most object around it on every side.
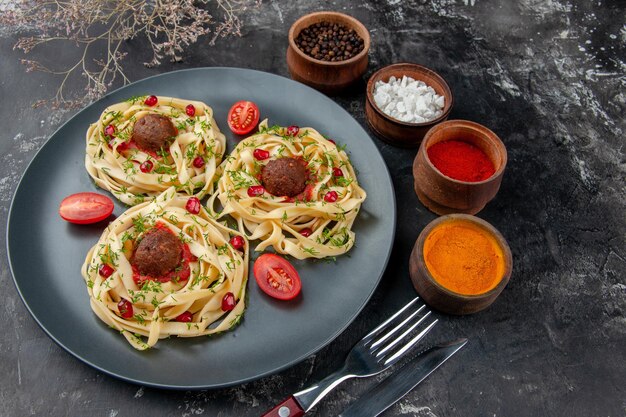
(158, 253)
(285, 176)
(153, 132)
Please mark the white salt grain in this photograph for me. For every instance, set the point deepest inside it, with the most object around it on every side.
(408, 100)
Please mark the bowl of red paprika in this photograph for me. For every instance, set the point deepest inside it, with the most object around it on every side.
(460, 264)
(458, 167)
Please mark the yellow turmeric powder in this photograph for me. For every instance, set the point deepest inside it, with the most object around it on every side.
(464, 258)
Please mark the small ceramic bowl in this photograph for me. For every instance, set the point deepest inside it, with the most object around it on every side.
(440, 297)
(402, 134)
(328, 77)
(444, 195)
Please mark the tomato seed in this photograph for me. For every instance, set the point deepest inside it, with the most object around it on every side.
(151, 101)
(193, 205)
(277, 278)
(125, 308)
(190, 110)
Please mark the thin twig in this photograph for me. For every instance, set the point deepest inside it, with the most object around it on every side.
(103, 26)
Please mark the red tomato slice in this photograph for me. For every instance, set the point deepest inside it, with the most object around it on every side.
(277, 277)
(243, 117)
(84, 208)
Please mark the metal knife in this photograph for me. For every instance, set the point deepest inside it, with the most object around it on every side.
(400, 382)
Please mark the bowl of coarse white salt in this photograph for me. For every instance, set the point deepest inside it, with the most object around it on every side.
(404, 101)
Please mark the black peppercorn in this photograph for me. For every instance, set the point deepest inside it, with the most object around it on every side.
(329, 42)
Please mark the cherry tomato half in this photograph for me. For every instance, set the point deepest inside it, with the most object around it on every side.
(243, 117)
(84, 208)
(277, 277)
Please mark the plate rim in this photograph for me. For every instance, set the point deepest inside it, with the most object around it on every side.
(241, 381)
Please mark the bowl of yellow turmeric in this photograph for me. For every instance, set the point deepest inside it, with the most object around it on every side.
(460, 264)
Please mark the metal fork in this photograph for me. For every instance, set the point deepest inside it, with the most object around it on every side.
(377, 351)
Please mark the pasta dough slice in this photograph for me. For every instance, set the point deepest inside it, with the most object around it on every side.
(153, 305)
(317, 223)
(192, 148)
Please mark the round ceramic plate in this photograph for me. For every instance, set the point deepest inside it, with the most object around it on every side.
(46, 253)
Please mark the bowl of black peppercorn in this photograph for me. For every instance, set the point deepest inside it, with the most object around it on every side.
(328, 51)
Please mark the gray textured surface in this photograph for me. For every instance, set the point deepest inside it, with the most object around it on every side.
(548, 76)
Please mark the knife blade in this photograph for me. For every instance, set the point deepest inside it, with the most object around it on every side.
(401, 382)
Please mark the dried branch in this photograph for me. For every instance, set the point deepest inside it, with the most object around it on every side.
(103, 26)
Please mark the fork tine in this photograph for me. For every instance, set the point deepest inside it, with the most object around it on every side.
(406, 331)
(384, 324)
(396, 356)
(399, 327)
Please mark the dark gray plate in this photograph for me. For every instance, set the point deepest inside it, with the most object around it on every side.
(46, 253)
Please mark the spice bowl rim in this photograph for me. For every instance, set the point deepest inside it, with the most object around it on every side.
(354, 24)
(369, 93)
(506, 250)
(497, 142)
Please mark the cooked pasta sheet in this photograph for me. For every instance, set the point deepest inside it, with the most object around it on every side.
(315, 224)
(180, 305)
(188, 160)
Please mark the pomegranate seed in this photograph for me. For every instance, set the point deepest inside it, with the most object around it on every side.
(109, 131)
(125, 308)
(105, 270)
(293, 130)
(151, 101)
(185, 317)
(122, 147)
(331, 196)
(198, 162)
(337, 172)
(193, 205)
(190, 110)
(237, 242)
(256, 190)
(332, 141)
(306, 232)
(260, 154)
(146, 166)
(228, 302)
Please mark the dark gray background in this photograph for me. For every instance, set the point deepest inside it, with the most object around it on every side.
(548, 77)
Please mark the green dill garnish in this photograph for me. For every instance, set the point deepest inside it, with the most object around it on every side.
(343, 181)
(240, 179)
(310, 251)
(135, 99)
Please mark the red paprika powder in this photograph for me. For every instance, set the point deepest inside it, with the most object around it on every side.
(461, 161)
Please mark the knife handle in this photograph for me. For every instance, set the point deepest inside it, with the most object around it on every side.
(287, 408)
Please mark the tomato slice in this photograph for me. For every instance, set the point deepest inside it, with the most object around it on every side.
(243, 117)
(84, 208)
(277, 277)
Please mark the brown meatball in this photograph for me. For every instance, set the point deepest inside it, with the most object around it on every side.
(153, 132)
(285, 176)
(158, 253)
